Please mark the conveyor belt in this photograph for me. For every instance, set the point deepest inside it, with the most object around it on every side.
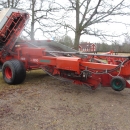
(51, 47)
(12, 22)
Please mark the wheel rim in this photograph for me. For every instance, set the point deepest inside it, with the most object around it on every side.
(117, 84)
(8, 73)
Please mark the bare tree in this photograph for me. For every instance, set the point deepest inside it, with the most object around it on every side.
(10, 3)
(90, 13)
(46, 19)
(127, 39)
(43, 17)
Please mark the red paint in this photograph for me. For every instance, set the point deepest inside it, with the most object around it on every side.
(8, 73)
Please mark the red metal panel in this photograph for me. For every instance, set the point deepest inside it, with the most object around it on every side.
(98, 65)
(68, 63)
(37, 55)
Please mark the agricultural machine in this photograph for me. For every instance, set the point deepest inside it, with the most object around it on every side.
(57, 60)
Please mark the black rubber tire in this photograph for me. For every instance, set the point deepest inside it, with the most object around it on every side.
(18, 72)
(118, 83)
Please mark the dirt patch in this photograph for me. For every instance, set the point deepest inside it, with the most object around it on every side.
(5, 110)
(43, 103)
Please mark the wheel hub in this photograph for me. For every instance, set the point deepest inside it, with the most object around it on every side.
(8, 73)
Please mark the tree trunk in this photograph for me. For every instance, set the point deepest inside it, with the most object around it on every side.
(77, 32)
(8, 3)
(32, 23)
(32, 30)
(12, 4)
(77, 40)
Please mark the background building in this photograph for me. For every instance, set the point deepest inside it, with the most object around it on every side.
(87, 47)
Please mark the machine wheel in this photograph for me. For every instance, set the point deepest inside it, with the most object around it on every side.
(13, 72)
(118, 83)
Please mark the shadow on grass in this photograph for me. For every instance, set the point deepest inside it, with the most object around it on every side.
(35, 74)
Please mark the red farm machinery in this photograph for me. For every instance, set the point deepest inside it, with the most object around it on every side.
(57, 60)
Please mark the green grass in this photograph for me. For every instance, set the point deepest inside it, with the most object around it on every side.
(35, 75)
